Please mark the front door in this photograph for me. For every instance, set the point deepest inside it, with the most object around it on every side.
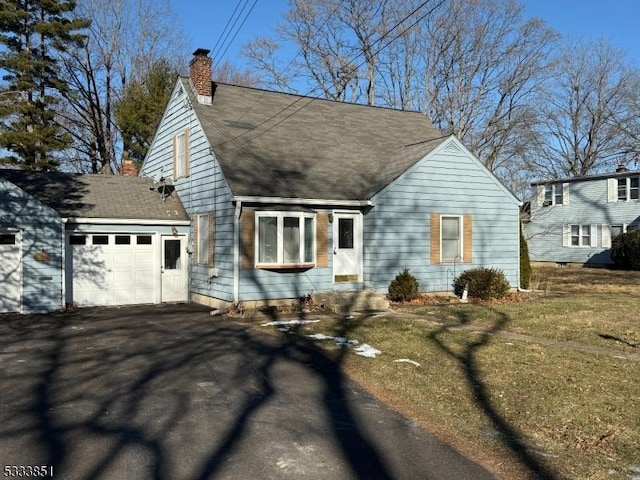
(174, 269)
(347, 247)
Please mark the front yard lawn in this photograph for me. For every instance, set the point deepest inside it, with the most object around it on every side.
(544, 387)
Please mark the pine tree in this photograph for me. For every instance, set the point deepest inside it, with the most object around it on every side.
(34, 33)
(140, 110)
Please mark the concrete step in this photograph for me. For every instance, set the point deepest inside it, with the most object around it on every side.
(351, 301)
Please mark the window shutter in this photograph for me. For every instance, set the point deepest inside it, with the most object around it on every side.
(612, 190)
(175, 157)
(540, 195)
(435, 238)
(212, 245)
(322, 227)
(565, 194)
(194, 239)
(605, 236)
(593, 239)
(187, 166)
(467, 238)
(566, 235)
(247, 238)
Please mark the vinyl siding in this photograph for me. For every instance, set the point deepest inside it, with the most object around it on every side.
(204, 190)
(41, 229)
(588, 205)
(397, 231)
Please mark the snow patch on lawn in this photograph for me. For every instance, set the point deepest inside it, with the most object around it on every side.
(280, 323)
(364, 350)
(406, 360)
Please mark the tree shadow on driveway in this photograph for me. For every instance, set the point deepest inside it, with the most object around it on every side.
(168, 392)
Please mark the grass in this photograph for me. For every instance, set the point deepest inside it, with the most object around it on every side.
(526, 409)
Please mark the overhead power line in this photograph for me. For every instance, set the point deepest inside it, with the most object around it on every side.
(222, 49)
(217, 44)
(311, 99)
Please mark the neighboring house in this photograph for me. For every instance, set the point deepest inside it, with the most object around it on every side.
(574, 220)
(290, 196)
(89, 240)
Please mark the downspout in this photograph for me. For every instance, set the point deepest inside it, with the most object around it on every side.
(236, 253)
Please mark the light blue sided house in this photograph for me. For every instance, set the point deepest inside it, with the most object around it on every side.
(290, 196)
(89, 240)
(574, 220)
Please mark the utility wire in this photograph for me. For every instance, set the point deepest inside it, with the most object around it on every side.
(312, 99)
(237, 31)
(217, 44)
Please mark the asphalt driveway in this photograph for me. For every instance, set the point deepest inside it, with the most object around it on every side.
(168, 392)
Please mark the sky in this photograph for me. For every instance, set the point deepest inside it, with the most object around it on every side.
(615, 20)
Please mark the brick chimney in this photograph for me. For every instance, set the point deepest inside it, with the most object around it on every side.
(128, 168)
(200, 75)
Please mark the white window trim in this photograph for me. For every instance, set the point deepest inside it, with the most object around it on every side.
(552, 202)
(460, 234)
(593, 235)
(280, 236)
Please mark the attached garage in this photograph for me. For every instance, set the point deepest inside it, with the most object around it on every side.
(95, 240)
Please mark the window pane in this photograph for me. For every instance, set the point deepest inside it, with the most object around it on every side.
(172, 254)
(559, 192)
(123, 240)
(635, 182)
(143, 239)
(78, 240)
(616, 230)
(548, 193)
(203, 239)
(100, 239)
(291, 238)
(622, 189)
(309, 236)
(345, 233)
(450, 236)
(7, 239)
(575, 230)
(268, 240)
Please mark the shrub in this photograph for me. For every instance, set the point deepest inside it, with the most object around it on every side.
(484, 283)
(404, 287)
(625, 250)
(525, 263)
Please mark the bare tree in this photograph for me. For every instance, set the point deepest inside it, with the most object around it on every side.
(483, 63)
(470, 66)
(227, 72)
(125, 40)
(585, 113)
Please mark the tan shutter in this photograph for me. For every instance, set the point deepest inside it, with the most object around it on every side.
(322, 227)
(247, 238)
(467, 239)
(194, 222)
(187, 163)
(175, 156)
(565, 194)
(212, 244)
(435, 238)
(612, 190)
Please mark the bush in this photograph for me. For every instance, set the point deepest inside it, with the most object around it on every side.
(625, 250)
(525, 263)
(404, 287)
(484, 283)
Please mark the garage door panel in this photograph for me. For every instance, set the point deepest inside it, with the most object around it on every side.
(115, 272)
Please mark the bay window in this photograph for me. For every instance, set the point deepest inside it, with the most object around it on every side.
(285, 239)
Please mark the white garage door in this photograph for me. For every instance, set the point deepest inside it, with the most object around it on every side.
(10, 272)
(113, 269)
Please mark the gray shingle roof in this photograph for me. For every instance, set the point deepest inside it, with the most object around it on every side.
(98, 196)
(281, 145)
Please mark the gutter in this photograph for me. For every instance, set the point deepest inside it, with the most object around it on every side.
(302, 201)
(236, 252)
(126, 221)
